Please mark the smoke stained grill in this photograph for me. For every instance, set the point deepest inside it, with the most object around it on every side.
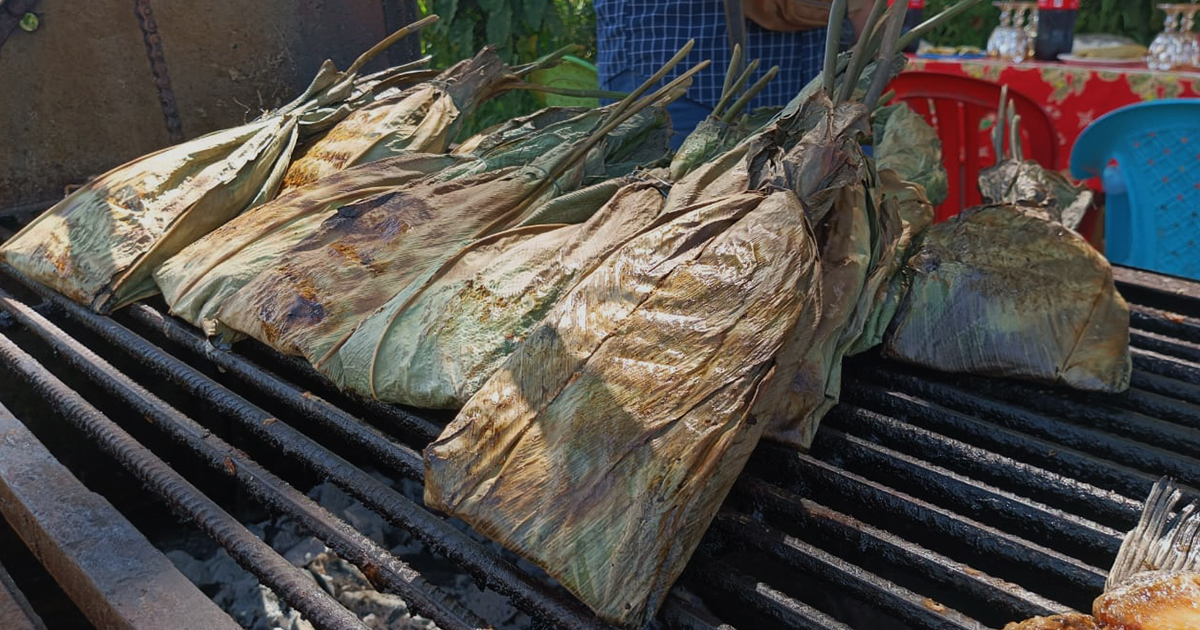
(931, 500)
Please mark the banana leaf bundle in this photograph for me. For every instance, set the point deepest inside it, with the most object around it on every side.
(999, 291)
(99, 245)
(433, 346)
(907, 145)
(424, 118)
(197, 280)
(604, 445)
(1015, 180)
(311, 301)
(858, 231)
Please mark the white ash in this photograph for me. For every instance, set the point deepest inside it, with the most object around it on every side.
(256, 607)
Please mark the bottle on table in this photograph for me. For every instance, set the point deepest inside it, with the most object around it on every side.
(1056, 28)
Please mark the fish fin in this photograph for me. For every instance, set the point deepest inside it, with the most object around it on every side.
(1160, 543)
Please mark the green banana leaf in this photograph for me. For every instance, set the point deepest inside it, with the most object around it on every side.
(907, 145)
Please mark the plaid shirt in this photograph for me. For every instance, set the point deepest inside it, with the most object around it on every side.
(641, 35)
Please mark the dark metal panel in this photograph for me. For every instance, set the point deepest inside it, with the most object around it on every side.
(115, 576)
(80, 67)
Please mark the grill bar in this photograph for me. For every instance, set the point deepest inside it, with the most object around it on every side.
(421, 430)
(1064, 532)
(1086, 439)
(356, 432)
(1001, 439)
(484, 563)
(835, 530)
(384, 570)
(182, 497)
(988, 467)
(1167, 387)
(771, 604)
(14, 608)
(937, 526)
(837, 573)
(928, 524)
(681, 614)
(1128, 422)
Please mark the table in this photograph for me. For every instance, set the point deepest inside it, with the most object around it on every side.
(1072, 95)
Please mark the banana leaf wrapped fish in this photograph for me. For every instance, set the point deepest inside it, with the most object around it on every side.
(311, 301)
(907, 145)
(99, 245)
(602, 448)
(828, 170)
(197, 280)
(435, 345)
(999, 291)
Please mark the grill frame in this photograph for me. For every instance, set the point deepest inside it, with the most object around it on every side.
(985, 482)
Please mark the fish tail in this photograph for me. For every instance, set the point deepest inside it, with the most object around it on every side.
(1160, 542)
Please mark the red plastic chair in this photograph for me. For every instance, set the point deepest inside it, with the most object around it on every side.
(963, 110)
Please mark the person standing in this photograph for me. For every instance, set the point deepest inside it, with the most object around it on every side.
(636, 37)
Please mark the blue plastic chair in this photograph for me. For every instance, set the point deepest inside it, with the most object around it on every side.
(1148, 158)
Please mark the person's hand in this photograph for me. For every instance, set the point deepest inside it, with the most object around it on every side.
(802, 15)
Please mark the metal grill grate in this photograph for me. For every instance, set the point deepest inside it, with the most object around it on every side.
(928, 500)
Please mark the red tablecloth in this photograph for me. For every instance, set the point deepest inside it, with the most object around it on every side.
(1072, 95)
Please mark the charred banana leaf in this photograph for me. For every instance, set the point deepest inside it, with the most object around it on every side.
(915, 213)
(998, 291)
(1015, 180)
(434, 346)
(422, 119)
(602, 448)
(366, 254)
(197, 280)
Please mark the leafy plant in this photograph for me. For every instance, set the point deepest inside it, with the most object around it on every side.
(521, 31)
(1133, 18)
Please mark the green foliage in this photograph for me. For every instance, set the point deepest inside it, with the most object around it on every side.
(1133, 18)
(521, 31)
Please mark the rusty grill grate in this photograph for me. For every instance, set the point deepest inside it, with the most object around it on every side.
(929, 501)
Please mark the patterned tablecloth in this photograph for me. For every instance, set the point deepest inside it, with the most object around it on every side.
(1072, 95)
